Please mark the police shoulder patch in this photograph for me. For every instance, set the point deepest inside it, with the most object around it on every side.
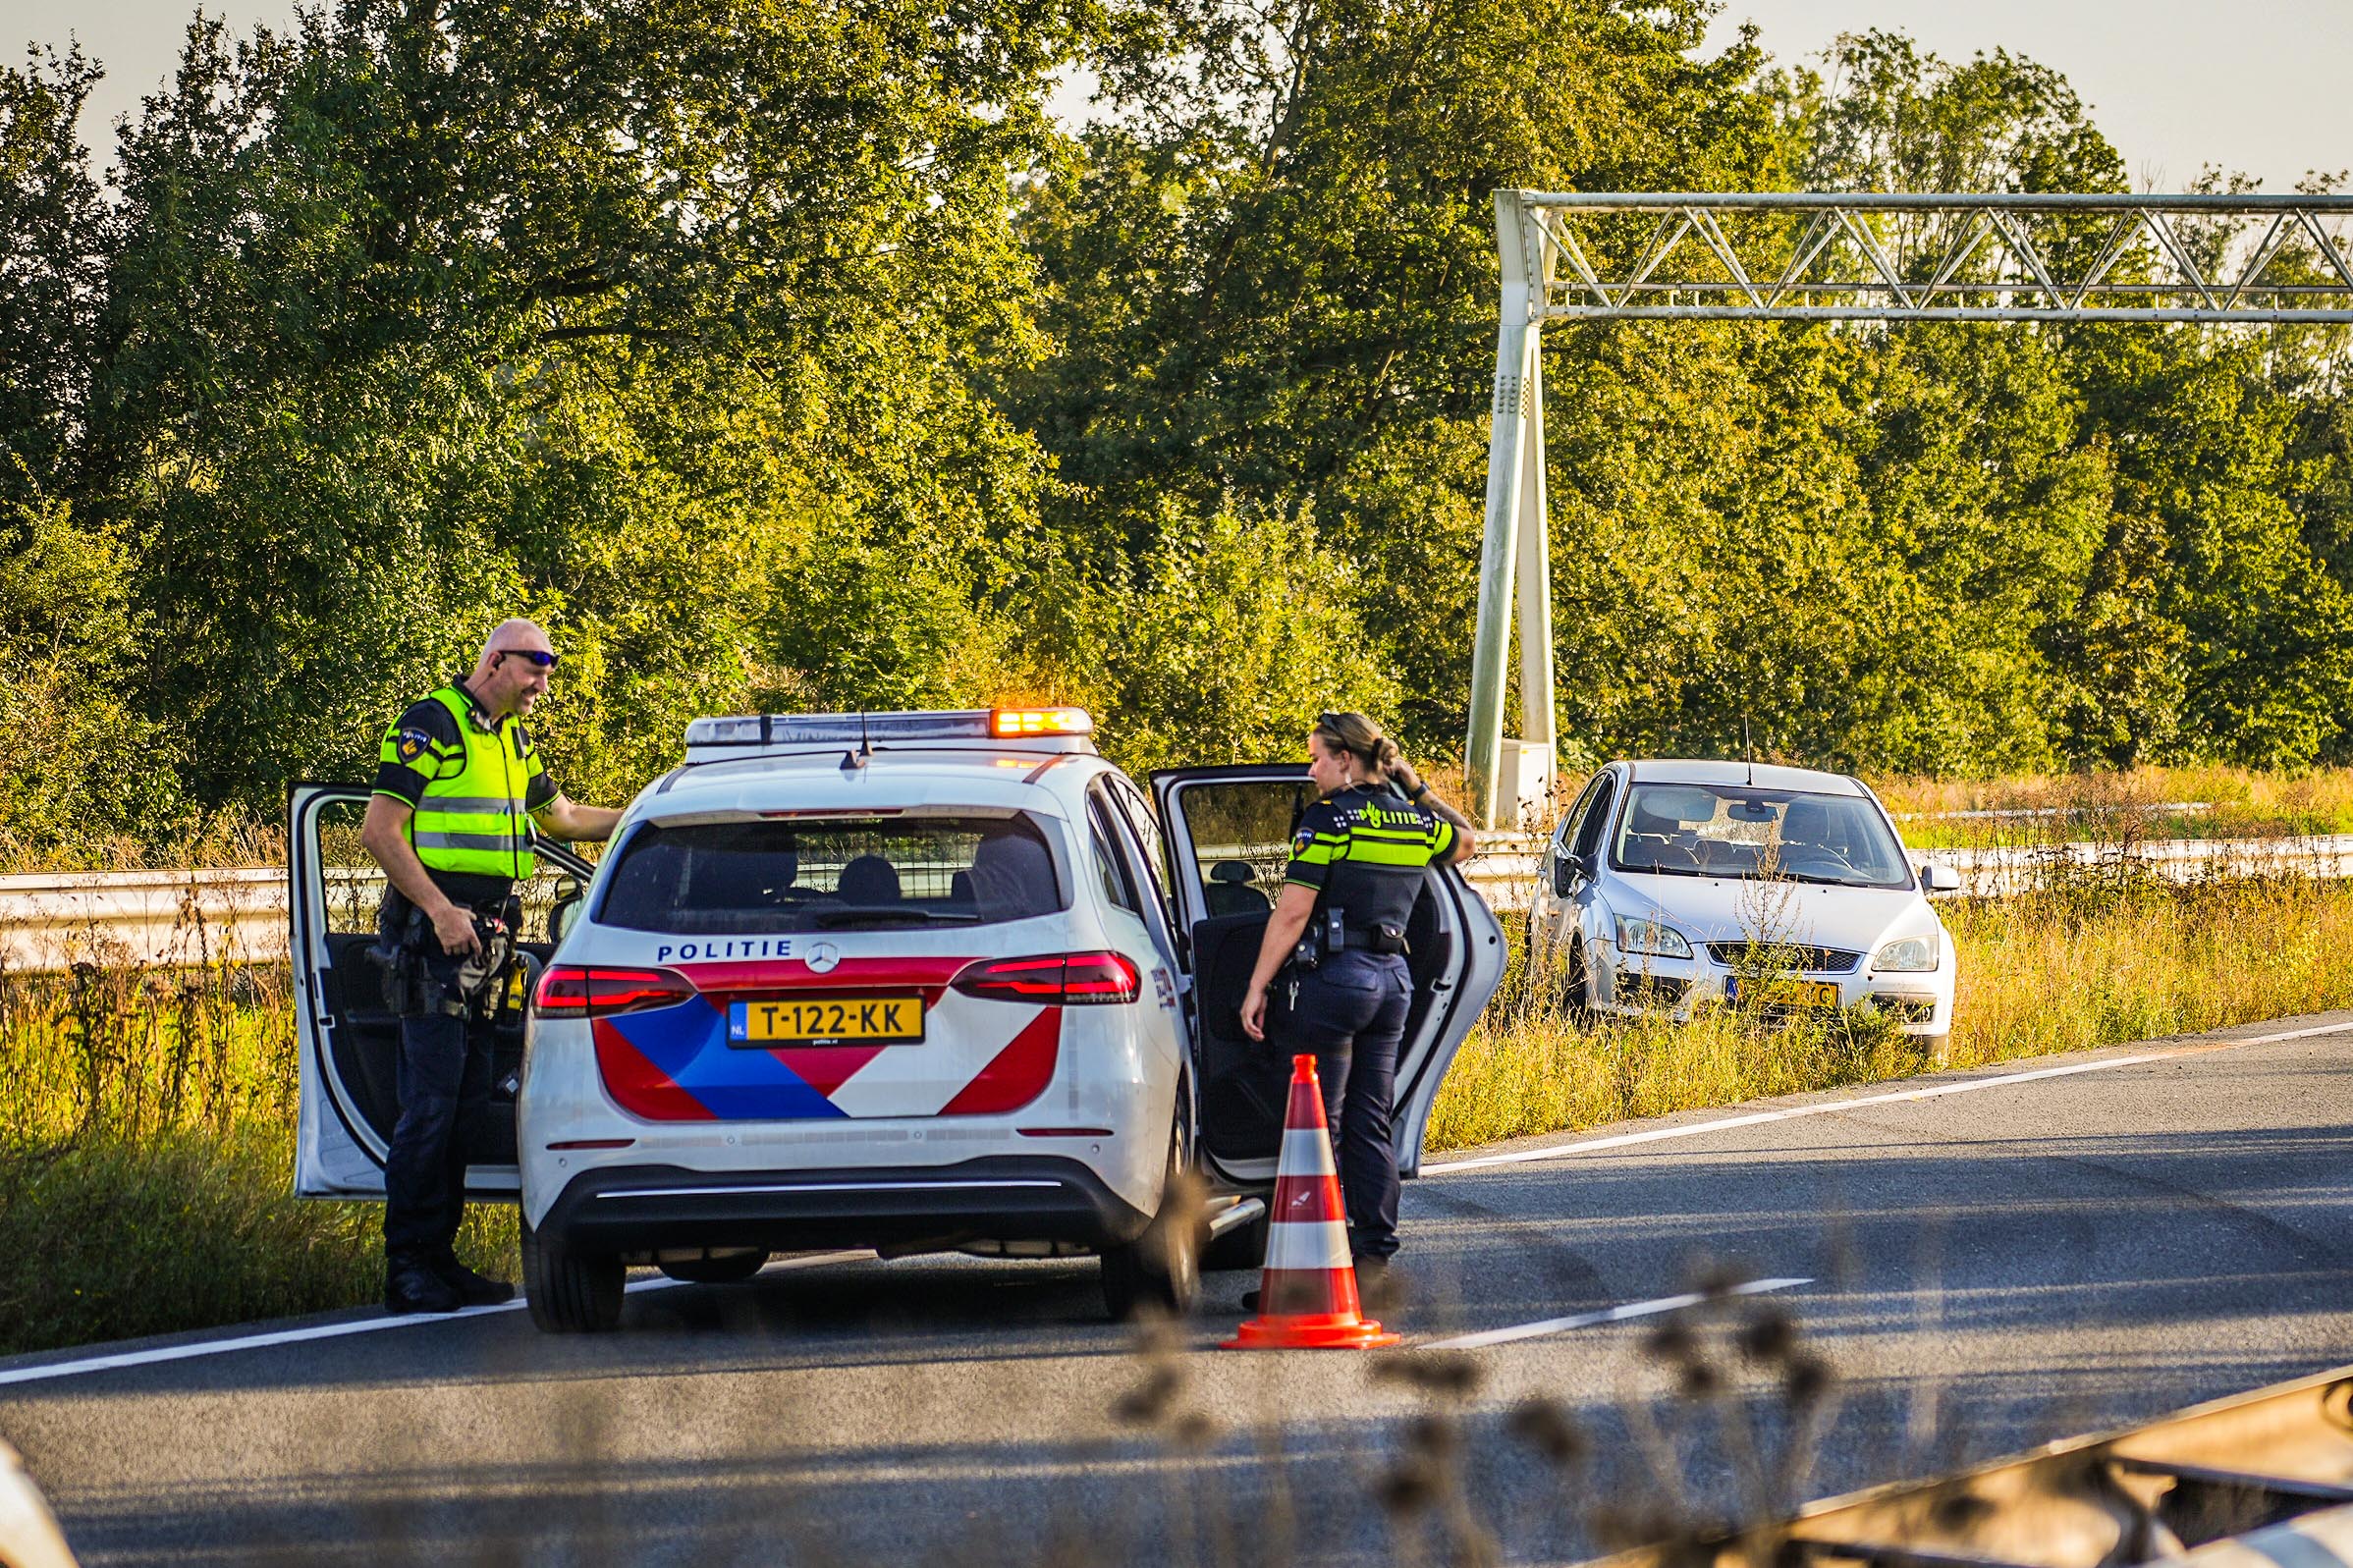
(411, 743)
(1302, 839)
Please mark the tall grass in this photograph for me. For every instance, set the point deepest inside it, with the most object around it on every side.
(2067, 969)
(146, 1153)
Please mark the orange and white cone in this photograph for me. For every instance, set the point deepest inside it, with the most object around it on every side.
(1307, 1297)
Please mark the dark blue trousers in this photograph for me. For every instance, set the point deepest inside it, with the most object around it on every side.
(1351, 1013)
(443, 1079)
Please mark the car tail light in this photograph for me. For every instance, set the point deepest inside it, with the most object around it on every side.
(580, 991)
(1068, 979)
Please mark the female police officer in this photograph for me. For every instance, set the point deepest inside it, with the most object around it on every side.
(1357, 857)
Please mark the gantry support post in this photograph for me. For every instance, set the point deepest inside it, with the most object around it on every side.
(1515, 540)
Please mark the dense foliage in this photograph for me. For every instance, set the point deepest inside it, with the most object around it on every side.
(791, 354)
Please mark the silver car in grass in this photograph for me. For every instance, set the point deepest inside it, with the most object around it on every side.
(1672, 885)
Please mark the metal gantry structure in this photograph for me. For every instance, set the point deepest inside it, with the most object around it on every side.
(2251, 260)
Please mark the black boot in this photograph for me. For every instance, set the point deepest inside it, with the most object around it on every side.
(411, 1285)
(1377, 1288)
(474, 1290)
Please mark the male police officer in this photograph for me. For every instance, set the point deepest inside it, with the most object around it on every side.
(1358, 854)
(447, 824)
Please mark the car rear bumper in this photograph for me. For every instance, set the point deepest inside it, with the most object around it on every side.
(1002, 1198)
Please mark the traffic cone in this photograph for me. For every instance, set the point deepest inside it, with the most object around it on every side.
(1307, 1297)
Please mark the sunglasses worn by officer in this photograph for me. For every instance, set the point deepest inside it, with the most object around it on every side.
(545, 660)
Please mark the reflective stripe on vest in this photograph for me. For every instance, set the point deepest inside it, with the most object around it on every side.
(472, 821)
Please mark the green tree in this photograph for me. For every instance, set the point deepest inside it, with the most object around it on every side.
(622, 317)
(55, 233)
(1222, 645)
(80, 765)
(1271, 271)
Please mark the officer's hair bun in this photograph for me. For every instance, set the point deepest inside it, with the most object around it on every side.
(1361, 738)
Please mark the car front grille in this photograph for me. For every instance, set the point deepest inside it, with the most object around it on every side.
(1781, 957)
(1651, 991)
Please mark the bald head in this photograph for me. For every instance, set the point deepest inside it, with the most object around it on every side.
(511, 637)
(509, 685)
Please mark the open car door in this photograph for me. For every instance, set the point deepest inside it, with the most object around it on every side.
(1228, 833)
(347, 1037)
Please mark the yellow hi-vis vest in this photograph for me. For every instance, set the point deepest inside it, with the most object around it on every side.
(471, 817)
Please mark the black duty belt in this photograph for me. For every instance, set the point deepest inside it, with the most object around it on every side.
(1377, 938)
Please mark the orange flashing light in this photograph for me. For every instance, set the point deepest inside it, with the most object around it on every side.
(1008, 721)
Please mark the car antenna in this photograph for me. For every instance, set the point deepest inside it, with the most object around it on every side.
(853, 761)
(1747, 750)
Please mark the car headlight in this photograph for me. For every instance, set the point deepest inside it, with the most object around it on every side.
(1652, 938)
(1910, 956)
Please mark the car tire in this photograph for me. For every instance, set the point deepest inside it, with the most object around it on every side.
(570, 1293)
(1576, 992)
(1243, 1247)
(1162, 1268)
(728, 1268)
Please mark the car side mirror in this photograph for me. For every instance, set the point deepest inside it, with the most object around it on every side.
(1565, 871)
(567, 910)
(1938, 877)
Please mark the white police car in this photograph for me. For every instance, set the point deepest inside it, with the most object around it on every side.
(916, 981)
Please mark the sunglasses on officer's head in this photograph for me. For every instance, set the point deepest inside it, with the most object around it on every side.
(545, 660)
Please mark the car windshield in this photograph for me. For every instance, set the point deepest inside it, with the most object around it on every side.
(837, 874)
(1741, 830)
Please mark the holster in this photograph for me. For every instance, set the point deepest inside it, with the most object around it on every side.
(404, 939)
(400, 960)
(1326, 933)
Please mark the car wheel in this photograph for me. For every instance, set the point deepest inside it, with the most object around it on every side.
(723, 1269)
(1576, 992)
(570, 1293)
(1162, 1268)
(1243, 1247)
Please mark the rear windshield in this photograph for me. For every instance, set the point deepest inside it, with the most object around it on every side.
(840, 874)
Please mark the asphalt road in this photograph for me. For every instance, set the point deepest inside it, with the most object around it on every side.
(1986, 1269)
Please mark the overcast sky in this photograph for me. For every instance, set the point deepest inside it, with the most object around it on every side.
(2258, 85)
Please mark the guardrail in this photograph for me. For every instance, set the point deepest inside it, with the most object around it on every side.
(2253, 1481)
(49, 922)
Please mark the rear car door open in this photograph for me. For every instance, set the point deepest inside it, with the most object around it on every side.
(1228, 840)
(347, 1040)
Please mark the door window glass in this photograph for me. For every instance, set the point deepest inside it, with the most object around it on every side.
(1109, 870)
(1568, 834)
(353, 880)
(1242, 839)
(353, 883)
(1596, 823)
(1148, 840)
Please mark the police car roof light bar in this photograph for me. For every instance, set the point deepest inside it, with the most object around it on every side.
(715, 738)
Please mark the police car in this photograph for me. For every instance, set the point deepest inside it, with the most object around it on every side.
(908, 981)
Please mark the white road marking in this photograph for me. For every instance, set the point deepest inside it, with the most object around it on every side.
(1588, 1320)
(1754, 1119)
(334, 1330)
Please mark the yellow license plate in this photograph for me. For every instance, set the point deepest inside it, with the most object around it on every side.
(876, 1020)
(1809, 994)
